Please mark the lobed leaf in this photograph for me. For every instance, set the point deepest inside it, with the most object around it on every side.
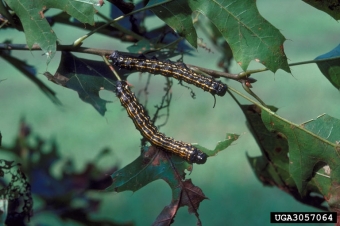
(272, 167)
(86, 77)
(313, 147)
(330, 68)
(249, 35)
(35, 25)
(156, 164)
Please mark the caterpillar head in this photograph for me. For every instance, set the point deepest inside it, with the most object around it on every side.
(198, 157)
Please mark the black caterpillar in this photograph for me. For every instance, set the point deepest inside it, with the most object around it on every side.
(142, 122)
(168, 68)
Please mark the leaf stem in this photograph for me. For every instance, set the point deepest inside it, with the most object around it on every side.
(280, 118)
(248, 90)
(3, 23)
(249, 72)
(215, 73)
(244, 96)
(111, 68)
(81, 39)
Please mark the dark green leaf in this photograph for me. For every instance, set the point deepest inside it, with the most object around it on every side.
(87, 77)
(249, 35)
(330, 7)
(331, 68)
(36, 27)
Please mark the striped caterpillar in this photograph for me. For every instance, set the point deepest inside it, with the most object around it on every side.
(168, 68)
(142, 122)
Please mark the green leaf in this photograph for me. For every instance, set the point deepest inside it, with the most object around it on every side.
(230, 138)
(330, 7)
(331, 68)
(36, 27)
(272, 167)
(310, 144)
(249, 35)
(87, 77)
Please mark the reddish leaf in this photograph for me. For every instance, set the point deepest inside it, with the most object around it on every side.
(190, 195)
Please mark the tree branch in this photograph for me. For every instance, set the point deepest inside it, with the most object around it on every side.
(104, 52)
(100, 52)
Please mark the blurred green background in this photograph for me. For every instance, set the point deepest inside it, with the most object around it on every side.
(236, 197)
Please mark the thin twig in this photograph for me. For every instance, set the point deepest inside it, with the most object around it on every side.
(35, 47)
(81, 39)
(249, 72)
(102, 52)
(111, 68)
